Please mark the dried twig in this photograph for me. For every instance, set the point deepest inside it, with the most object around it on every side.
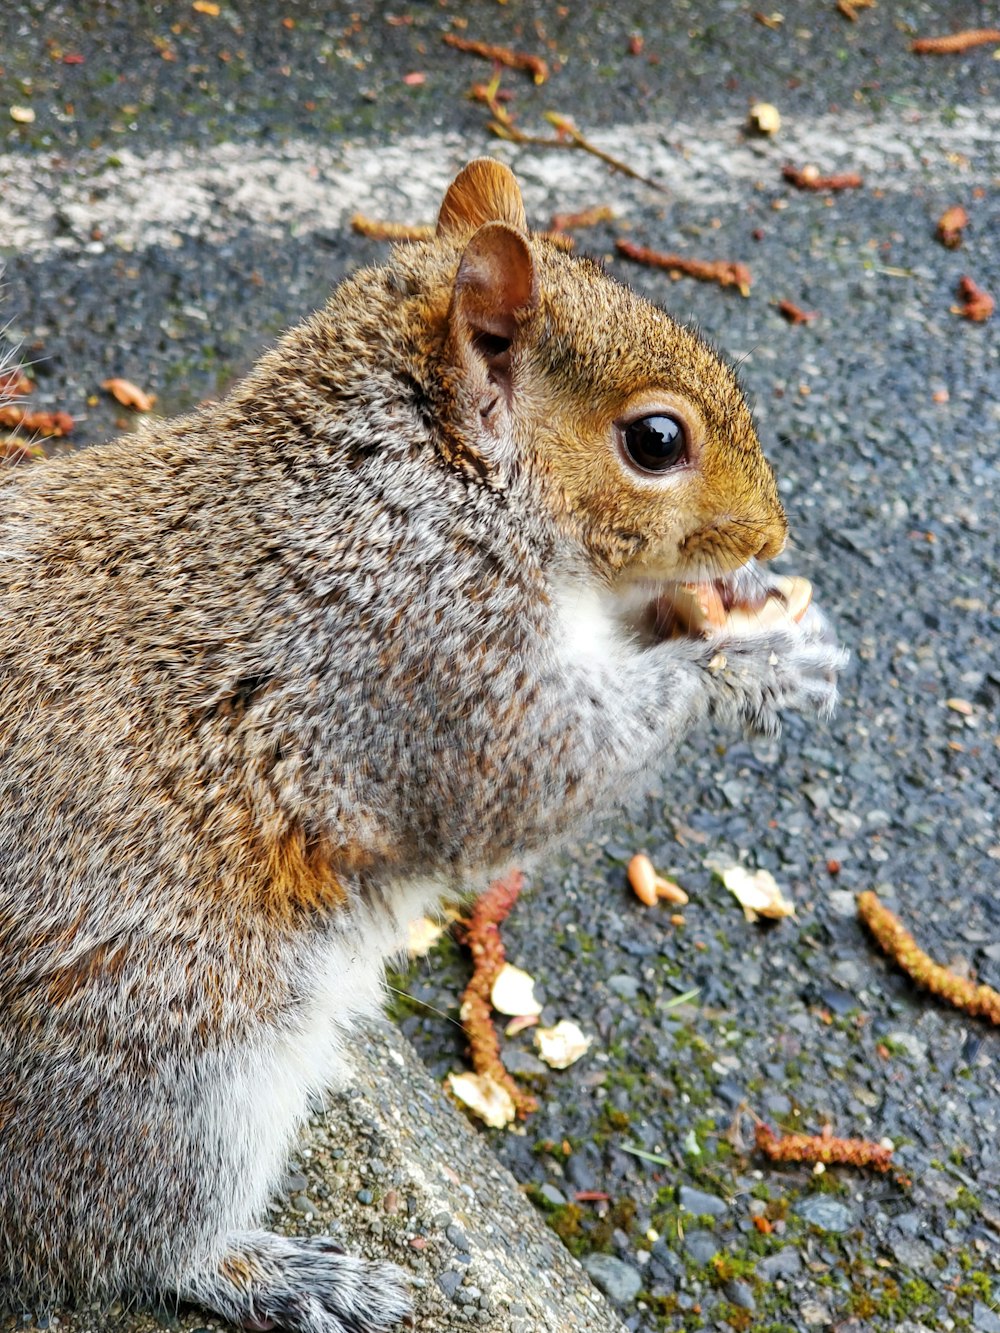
(41, 423)
(894, 939)
(976, 304)
(950, 226)
(587, 217)
(795, 314)
(954, 42)
(849, 8)
(503, 55)
(824, 1147)
(482, 938)
(391, 231)
(567, 135)
(722, 271)
(809, 178)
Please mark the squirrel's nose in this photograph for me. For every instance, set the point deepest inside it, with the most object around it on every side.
(773, 544)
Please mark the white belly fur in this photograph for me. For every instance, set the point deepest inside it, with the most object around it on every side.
(267, 1093)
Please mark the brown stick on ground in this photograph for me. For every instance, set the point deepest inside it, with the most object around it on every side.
(954, 42)
(482, 938)
(825, 1148)
(723, 271)
(808, 178)
(533, 65)
(894, 939)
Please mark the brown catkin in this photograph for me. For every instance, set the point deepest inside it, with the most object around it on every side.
(894, 939)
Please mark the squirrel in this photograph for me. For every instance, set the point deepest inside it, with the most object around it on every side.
(279, 674)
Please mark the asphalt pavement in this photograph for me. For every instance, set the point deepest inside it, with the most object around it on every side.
(184, 190)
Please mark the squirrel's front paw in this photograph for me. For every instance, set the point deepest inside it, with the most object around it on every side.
(758, 678)
(265, 1281)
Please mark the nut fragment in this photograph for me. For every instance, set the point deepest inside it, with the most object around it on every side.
(649, 887)
(700, 607)
(765, 118)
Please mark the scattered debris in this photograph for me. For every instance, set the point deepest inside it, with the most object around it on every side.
(757, 892)
(488, 1099)
(795, 314)
(562, 1045)
(482, 938)
(724, 272)
(849, 8)
(636, 44)
(15, 450)
(894, 939)
(567, 135)
(824, 1148)
(22, 115)
(954, 42)
(14, 383)
(772, 21)
(54, 424)
(764, 118)
(650, 887)
(208, 7)
(415, 78)
(513, 993)
(129, 394)
(809, 178)
(422, 935)
(503, 55)
(520, 1023)
(391, 231)
(586, 217)
(976, 304)
(951, 224)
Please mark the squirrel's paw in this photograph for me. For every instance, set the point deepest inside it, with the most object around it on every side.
(758, 678)
(309, 1285)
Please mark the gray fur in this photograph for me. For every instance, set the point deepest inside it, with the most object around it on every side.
(266, 671)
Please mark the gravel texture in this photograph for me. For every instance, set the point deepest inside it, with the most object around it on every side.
(406, 1179)
(882, 417)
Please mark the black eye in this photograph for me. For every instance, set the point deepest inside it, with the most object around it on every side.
(655, 443)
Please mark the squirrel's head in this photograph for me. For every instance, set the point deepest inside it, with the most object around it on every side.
(636, 430)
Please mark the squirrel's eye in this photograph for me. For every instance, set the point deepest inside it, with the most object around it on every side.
(655, 444)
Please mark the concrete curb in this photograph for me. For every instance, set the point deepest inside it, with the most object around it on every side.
(391, 1167)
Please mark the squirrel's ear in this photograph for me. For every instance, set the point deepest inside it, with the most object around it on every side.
(484, 191)
(494, 288)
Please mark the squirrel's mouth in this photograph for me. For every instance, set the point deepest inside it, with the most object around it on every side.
(743, 602)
